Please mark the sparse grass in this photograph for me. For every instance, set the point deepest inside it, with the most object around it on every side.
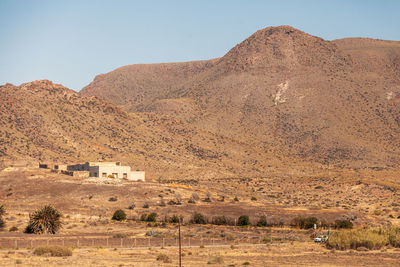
(164, 258)
(54, 251)
(216, 260)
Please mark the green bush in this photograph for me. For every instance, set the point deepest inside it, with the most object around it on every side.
(343, 224)
(174, 218)
(44, 221)
(219, 220)
(243, 220)
(55, 251)
(119, 215)
(262, 222)
(13, 229)
(198, 218)
(151, 217)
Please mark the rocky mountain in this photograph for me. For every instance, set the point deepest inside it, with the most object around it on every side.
(281, 90)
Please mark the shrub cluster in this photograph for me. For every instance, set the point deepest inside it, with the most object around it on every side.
(119, 215)
(2, 221)
(343, 224)
(304, 222)
(54, 251)
(148, 217)
(355, 238)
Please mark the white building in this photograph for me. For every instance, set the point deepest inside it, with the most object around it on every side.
(108, 169)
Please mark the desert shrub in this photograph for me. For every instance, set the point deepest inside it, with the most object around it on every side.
(262, 222)
(44, 221)
(352, 239)
(219, 220)
(2, 221)
(151, 217)
(146, 205)
(253, 199)
(55, 251)
(343, 224)
(13, 229)
(131, 206)
(236, 199)
(243, 220)
(164, 258)
(198, 218)
(162, 203)
(304, 222)
(216, 260)
(394, 236)
(119, 215)
(267, 238)
(143, 217)
(319, 187)
(175, 218)
(208, 197)
(113, 199)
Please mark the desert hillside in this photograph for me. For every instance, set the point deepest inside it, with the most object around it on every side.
(282, 90)
(42, 121)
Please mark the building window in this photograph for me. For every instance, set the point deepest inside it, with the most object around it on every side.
(115, 175)
(95, 174)
(104, 175)
(125, 176)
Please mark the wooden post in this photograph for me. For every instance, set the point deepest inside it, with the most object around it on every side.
(180, 249)
(47, 242)
(189, 241)
(92, 242)
(16, 243)
(107, 241)
(77, 243)
(135, 241)
(121, 242)
(31, 243)
(163, 243)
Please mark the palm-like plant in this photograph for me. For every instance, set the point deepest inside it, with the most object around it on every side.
(44, 221)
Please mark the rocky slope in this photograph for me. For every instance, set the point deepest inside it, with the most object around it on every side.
(42, 121)
(284, 91)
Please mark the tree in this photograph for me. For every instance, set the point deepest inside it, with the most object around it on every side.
(262, 222)
(119, 215)
(44, 221)
(243, 220)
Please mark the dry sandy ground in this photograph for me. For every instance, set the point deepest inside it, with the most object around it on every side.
(287, 254)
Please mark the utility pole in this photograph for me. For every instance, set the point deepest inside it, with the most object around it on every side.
(180, 248)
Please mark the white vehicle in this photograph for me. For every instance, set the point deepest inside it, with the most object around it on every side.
(320, 239)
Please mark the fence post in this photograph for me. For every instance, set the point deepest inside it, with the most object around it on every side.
(121, 242)
(107, 242)
(77, 243)
(16, 243)
(163, 242)
(63, 242)
(189, 241)
(47, 242)
(135, 241)
(31, 243)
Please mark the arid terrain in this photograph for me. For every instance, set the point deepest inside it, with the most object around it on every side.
(285, 125)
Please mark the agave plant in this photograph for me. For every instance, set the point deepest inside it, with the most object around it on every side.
(44, 221)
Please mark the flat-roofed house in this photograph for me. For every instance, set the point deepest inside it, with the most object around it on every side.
(108, 169)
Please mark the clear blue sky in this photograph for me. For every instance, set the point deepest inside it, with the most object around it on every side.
(70, 42)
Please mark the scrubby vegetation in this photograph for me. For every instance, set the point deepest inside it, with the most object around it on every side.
(304, 222)
(219, 220)
(198, 218)
(367, 237)
(2, 221)
(44, 221)
(148, 217)
(54, 251)
(344, 224)
(164, 258)
(243, 220)
(119, 215)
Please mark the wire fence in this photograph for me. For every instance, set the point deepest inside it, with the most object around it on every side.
(111, 242)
